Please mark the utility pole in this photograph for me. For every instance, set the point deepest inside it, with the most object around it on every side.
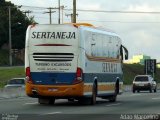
(62, 7)
(72, 17)
(59, 8)
(74, 11)
(10, 37)
(50, 14)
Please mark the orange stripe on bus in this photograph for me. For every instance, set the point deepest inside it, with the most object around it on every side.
(55, 90)
(88, 88)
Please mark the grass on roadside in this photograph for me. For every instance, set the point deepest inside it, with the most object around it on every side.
(10, 72)
(129, 70)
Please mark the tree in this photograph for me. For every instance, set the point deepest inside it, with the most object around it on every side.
(18, 30)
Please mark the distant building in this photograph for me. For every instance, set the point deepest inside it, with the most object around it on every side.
(138, 59)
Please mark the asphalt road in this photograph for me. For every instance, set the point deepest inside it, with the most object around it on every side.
(127, 106)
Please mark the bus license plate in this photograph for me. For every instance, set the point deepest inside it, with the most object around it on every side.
(52, 89)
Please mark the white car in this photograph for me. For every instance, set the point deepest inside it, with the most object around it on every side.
(16, 83)
(143, 83)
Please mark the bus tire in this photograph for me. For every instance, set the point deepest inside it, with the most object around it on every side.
(90, 100)
(94, 94)
(113, 98)
(46, 100)
(52, 101)
(82, 101)
(70, 99)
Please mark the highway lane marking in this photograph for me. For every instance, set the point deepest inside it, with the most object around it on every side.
(114, 104)
(156, 98)
(54, 113)
(51, 113)
(14, 99)
(31, 103)
(135, 94)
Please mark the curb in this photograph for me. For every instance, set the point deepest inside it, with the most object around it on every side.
(20, 92)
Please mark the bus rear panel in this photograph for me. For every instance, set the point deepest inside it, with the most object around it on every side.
(52, 56)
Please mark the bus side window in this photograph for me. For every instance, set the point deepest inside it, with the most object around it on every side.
(93, 45)
(123, 52)
(104, 46)
(88, 38)
(117, 51)
(110, 47)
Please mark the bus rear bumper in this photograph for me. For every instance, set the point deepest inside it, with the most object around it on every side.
(57, 91)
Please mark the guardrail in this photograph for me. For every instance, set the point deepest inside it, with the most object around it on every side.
(12, 92)
(20, 92)
(127, 88)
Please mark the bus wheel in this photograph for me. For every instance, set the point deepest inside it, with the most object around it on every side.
(82, 101)
(52, 101)
(113, 98)
(70, 99)
(46, 101)
(94, 94)
(89, 100)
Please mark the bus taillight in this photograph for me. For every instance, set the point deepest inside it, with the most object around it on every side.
(28, 75)
(79, 74)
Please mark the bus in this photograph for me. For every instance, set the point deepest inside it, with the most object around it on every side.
(75, 61)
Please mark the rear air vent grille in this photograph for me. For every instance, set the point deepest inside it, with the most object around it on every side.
(53, 57)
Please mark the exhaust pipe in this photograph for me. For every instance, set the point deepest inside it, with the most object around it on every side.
(34, 92)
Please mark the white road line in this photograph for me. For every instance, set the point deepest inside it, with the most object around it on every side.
(113, 104)
(31, 103)
(158, 98)
(135, 94)
(51, 113)
(54, 113)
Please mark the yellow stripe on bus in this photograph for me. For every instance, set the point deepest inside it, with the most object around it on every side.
(107, 87)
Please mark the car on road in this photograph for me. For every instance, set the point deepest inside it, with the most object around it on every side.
(144, 83)
(16, 83)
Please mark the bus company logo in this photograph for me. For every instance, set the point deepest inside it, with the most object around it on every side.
(53, 35)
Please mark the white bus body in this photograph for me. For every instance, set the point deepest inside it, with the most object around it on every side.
(73, 61)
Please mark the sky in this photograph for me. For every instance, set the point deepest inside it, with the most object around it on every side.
(140, 32)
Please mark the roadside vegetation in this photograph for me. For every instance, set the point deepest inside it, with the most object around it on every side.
(130, 71)
(20, 23)
(4, 59)
(18, 27)
(4, 55)
(7, 73)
